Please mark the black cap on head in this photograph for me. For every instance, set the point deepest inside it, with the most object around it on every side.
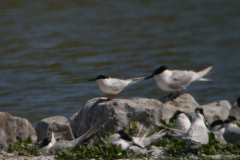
(102, 77)
(230, 119)
(99, 77)
(199, 110)
(160, 70)
(215, 123)
(157, 71)
(177, 113)
(124, 135)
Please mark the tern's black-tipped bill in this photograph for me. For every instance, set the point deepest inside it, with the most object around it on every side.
(149, 77)
(92, 79)
(135, 144)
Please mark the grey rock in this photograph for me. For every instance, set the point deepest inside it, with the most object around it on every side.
(216, 110)
(58, 124)
(11, 127)
(184, 102)
(3, 137)
(118, 113)
(146, 112)
(235, 111)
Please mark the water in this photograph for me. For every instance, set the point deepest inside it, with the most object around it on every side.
(49, 49)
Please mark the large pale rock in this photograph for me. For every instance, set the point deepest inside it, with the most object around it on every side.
(184, 102)
(235, 111)
(118, 112)
(146, 112)
(11, 127)
(58, 124)
(216, 110)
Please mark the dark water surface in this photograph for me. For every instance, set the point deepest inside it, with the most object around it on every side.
(49, 49)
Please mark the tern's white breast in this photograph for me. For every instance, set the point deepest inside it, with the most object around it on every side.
(163, 80)
(183, 123)
(110, 86)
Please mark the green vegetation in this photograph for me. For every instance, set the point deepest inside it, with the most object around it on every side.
(105, 150)
(24, 148)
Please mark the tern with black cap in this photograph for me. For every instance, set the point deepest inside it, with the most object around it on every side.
(113, 85)
(176, 80)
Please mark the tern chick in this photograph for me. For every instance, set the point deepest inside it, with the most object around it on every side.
(176, 80)
(113, 85)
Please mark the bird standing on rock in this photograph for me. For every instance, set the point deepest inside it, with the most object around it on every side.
(176, 80)
(113, 85)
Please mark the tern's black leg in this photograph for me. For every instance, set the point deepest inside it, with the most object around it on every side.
(177, 93)
(170, 94)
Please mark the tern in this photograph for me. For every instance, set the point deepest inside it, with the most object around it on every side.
(217, 127)
(47, 144)
(113, 85)
(183, 124)
(197, 134)
(123, 139)
(176, 80)
(232, 131)
(134, 143)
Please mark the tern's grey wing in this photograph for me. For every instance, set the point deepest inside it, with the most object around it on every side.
(232, 136)
(85, 137)
(118, 84)
(58, 146)
(148, 140)
(180, 79)
(198, 134)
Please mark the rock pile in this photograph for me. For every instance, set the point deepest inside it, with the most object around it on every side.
(143, 111)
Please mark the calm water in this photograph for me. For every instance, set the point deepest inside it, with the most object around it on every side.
(49, 49)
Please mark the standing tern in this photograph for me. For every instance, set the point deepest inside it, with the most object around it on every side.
(232, 131)
(183, 124)
(217, 127)
(176, 80)
(197, 134)
(113, 85)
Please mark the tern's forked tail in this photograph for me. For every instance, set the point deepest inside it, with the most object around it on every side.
(136, 79)
(201, 74)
